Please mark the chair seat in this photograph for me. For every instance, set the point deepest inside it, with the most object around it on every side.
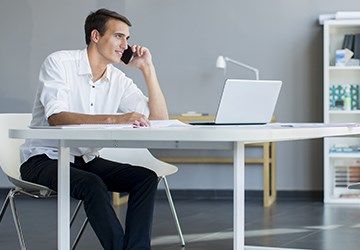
(32, 187)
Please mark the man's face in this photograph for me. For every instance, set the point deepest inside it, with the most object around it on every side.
(113, 43)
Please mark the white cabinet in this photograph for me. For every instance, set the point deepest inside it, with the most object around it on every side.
(341, 155)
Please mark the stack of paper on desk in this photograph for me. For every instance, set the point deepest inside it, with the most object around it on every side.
(153, 123)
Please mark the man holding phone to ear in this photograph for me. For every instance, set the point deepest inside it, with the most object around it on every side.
(83, 87)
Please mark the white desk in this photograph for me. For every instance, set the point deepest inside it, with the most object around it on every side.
(172, 137)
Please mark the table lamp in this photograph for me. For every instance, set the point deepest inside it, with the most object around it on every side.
(221, 64)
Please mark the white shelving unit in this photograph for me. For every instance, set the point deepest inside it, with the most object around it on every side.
(340, 168)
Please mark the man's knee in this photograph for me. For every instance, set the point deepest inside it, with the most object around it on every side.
(88, 186)
(148, 179)
(149, 175)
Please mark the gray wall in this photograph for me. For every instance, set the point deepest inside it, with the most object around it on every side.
(281, 38)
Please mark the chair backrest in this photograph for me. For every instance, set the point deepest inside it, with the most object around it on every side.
(9, 148)
(139, 157)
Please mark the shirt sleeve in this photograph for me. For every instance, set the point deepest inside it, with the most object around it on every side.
(133, 99)
(55, 90)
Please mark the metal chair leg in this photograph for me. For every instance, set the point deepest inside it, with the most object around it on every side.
(16, 220)
(5, 205)
(78, 236)
(10, 199)
(173, 211)
(75, 212)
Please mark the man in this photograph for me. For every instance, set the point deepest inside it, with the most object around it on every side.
(83, 87)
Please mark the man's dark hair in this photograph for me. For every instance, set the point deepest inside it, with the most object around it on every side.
(97, 20)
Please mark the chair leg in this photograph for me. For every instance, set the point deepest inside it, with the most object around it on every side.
(78, 236)
(5, 205)
(75, 212)
(16, 220)
(173, 211)
(82, 229)
(10, 199)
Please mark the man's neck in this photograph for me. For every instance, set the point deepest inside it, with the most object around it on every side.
(98, 68)
(98, 74)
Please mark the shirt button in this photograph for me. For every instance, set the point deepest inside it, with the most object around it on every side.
(92, 104)
(93, 87)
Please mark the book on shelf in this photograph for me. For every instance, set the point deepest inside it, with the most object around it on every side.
(351, 42)
(348, 42)
(339, 93)
(356, 48)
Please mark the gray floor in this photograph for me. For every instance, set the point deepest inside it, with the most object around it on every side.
(206, 224)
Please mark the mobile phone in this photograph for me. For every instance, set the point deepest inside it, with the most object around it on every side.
(127, 55)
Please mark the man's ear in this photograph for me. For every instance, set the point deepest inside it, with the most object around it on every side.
(95, 35)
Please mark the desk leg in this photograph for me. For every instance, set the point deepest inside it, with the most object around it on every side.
(63, 197)
(239, 195)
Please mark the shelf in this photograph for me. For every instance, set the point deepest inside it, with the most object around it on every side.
(340, 168)
(335, 200)
(345, 155)
(344, 68)
(344, 112)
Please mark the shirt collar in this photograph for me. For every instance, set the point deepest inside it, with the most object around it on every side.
(84, 65)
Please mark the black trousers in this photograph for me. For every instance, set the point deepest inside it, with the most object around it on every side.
(91, 182)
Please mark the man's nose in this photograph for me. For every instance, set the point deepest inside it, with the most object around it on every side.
(124, 44)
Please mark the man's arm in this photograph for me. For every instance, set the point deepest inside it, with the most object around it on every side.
(157, 103)
(66, 118)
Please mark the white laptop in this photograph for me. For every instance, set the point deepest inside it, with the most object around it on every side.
(246, 102)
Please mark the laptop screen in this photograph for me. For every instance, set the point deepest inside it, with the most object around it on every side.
(247, 101)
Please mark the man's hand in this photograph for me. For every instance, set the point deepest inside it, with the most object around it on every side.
(142, 57)
(137, 119)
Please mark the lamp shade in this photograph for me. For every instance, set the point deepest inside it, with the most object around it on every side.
(220, 62)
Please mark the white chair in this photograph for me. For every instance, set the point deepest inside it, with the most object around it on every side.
(142, 157)
(10, 164)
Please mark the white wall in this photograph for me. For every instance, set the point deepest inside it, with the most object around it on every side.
(281, 38)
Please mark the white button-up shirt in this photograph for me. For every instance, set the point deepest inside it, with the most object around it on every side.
(66, 85)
